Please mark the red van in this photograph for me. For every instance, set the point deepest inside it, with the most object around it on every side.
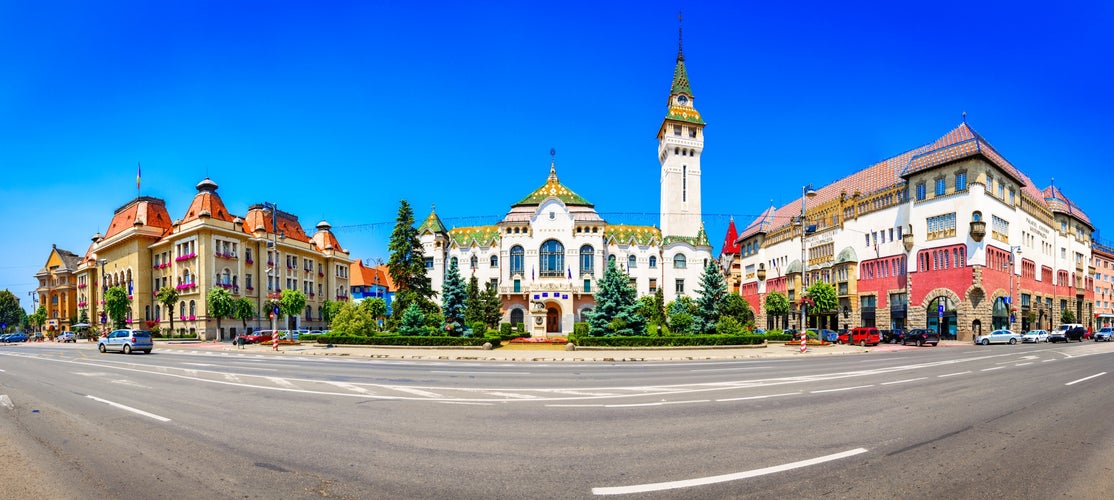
(864, 336)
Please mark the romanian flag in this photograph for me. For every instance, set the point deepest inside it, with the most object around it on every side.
(138, 170)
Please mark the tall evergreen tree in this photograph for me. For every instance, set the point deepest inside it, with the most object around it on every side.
(616, 310)
(413, 321)
(709, 304)
(473, 303)
(453, 296)
(407, 265)
(492, 305)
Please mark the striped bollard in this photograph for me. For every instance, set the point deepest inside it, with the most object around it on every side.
(804, 342)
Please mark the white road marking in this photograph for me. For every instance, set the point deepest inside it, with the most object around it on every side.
(991, 369)
(1086, 378)
(128, 408)
(759, 397)
(128, 383)
(512, 395)
(231, 377)
(904, 381)
(451, 372)
(658, 403)
(1023, 364)
(953, 374)
(842, 389)
(6, 402)
(689, 483)
(464, 403)
(198, 364)
(281, 382)
(416, 392)
(350, 387)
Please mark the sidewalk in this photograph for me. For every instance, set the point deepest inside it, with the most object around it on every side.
(541, 352)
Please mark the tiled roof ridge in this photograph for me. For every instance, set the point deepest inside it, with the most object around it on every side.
(553, 189)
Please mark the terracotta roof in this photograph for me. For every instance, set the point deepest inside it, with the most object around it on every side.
(621, 234)
(142, 211)
(361, 275)
(324, 238)
(207, 202)
(1057, 202)
(288, 224)
(958, 143)
(553, 189)
(484, 236)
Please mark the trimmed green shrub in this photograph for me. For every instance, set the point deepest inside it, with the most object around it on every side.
(399, 340)
(670, 341)
(581, 328)
(505, 329)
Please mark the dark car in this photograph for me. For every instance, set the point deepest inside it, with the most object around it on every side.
(1077, 333)
(921, 336)
(16, 337)
(893, 336)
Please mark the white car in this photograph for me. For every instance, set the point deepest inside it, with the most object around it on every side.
(998, 337)
(1035, 336)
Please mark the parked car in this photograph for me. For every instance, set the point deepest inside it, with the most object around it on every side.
(921, 336)
(66, 337)
(15, 337)
(863, 335)
(998, 337)
(1067, 333)
(893, 336)
(258, 336)
(1103, 334)
(823, 334)
(1035, 336)
(126, 341)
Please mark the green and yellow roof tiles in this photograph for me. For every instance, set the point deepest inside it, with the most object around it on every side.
(432, 224)
(553, 189)
(474, 236)
(622, 234)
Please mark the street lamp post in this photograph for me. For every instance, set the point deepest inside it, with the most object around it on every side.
(1013, 249)
(907, 242)
(104, 292)
(806, 192)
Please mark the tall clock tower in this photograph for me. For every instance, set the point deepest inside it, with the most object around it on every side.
(680, 143)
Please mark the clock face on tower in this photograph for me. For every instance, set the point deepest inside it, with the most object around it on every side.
(682, 100)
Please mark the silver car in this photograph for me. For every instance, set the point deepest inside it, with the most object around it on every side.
(127, 341)
(1035, 336)
(998, 337)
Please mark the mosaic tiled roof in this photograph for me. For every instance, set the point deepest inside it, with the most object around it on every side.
(553, 189)
(432, 224)
(700, 240)
(730, 240)
(961, 142)
(483, 236)
(621, 234)
(1057, 202)
(761, 224)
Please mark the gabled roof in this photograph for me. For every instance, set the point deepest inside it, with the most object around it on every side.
(484, 236)
(553, 189)
(761, 224)
(730, 245)
(1059, 203)
(259, 216)
(622, 234)
(361, 275)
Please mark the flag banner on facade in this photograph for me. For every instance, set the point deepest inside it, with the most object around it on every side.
(570, 272)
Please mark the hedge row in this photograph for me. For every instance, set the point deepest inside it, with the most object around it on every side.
(424, 341)
(669, 341)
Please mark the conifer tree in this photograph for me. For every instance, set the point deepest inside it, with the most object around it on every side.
(413, 321)
(407, 265)
(453, 296)
(492, 305)
(473, 303)
(616, 310)
(709, 304)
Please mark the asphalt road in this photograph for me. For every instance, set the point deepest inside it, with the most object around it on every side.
(1026, 421)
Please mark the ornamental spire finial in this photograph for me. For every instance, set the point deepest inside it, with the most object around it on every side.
(553, 164)
(680, 38)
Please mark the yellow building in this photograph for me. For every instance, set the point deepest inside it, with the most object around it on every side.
(260, 253)
(58, 290)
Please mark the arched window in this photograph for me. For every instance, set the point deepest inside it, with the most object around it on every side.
(631, 261)
(226, 277)
(587, 261)
(193, 308)
(309, 312)
(551, 259)
(494, 261)
(182, 309)
(653, 262)
(679, 261)
(516, 317)
(585, 314)
(517, 258)
(475, 262)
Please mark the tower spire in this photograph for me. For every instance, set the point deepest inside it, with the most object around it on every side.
(552, 164)
(680, 37)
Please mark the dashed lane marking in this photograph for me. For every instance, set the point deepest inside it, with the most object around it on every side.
(137, 411)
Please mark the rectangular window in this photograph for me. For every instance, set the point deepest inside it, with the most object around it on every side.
(677, 130)
(587, 285)
(941, 187)
(692, 132)
(921, 192)
(653, 285)
(518, 286)
(428, 262)
(961, 181)
(679, 287)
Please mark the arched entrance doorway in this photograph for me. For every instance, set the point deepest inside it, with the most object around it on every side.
(940, 316)
(552, 320)
(1000, 316)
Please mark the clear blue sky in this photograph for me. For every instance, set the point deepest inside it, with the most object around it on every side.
(337, 110)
